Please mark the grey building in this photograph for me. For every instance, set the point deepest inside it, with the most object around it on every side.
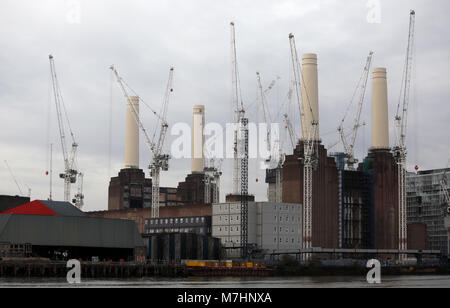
(272, 227)
(197, 224)
(425, 204)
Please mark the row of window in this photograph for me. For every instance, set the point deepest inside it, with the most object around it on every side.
(281, 240)
(280, 207)
(276, 218)
(286, 218)
(178, 230)
(182, 220)
(231, 229)
(286, 240)
(286, 230)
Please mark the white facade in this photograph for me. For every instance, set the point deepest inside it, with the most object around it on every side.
(272, 227)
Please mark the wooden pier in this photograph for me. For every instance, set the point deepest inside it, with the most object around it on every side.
(90, 270)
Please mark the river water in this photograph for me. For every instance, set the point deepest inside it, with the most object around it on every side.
(240, 282)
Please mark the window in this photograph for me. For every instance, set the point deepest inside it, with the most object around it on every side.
(171, 220)
(176, 220)
(274, 239)
(275, 218)
(203, 219)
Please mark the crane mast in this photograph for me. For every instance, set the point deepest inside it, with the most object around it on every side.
(241, 134)
(13, 177)
(70, 173)
(349, 147)
(159, 161)
(309, 159)
(400, 151)
(238, 111)
(278, 187)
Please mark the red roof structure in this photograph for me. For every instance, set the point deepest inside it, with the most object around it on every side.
(31, 208)
(46, 208)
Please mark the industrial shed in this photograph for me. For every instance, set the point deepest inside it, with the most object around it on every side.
(68, 237)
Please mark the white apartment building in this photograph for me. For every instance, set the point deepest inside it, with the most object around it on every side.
(272, 227)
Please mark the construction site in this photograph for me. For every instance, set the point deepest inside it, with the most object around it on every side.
(321, 205)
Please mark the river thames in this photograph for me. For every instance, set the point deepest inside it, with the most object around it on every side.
(238, 282)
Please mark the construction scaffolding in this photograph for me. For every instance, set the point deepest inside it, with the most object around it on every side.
(424, 205)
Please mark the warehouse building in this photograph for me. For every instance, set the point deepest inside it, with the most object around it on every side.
(272, 227)
(56, 230)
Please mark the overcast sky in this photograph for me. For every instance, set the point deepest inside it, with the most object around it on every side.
(144, 38)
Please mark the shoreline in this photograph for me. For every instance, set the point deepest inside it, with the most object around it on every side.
(35, 269)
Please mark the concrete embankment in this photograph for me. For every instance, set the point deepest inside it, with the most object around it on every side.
(359, 270)
(45, 268)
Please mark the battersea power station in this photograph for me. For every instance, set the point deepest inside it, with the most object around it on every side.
(353, 207)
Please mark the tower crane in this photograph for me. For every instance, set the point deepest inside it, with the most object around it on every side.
(160, 161)
(310, 159)
(399, 150)
(270, 149)
(217, 174)
(13, 177)
(241, 134)
(70, 173)
(292, 136)
(349, 146)
(212, 177)
(79, 197)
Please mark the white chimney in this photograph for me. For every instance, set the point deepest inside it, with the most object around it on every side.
(198, 124)
(310, 96)
(380, 123)
(132, 135)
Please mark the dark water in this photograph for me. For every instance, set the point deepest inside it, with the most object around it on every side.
(232, 282)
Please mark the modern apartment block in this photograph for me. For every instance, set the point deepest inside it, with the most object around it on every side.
(425, 204)
(272, 227)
